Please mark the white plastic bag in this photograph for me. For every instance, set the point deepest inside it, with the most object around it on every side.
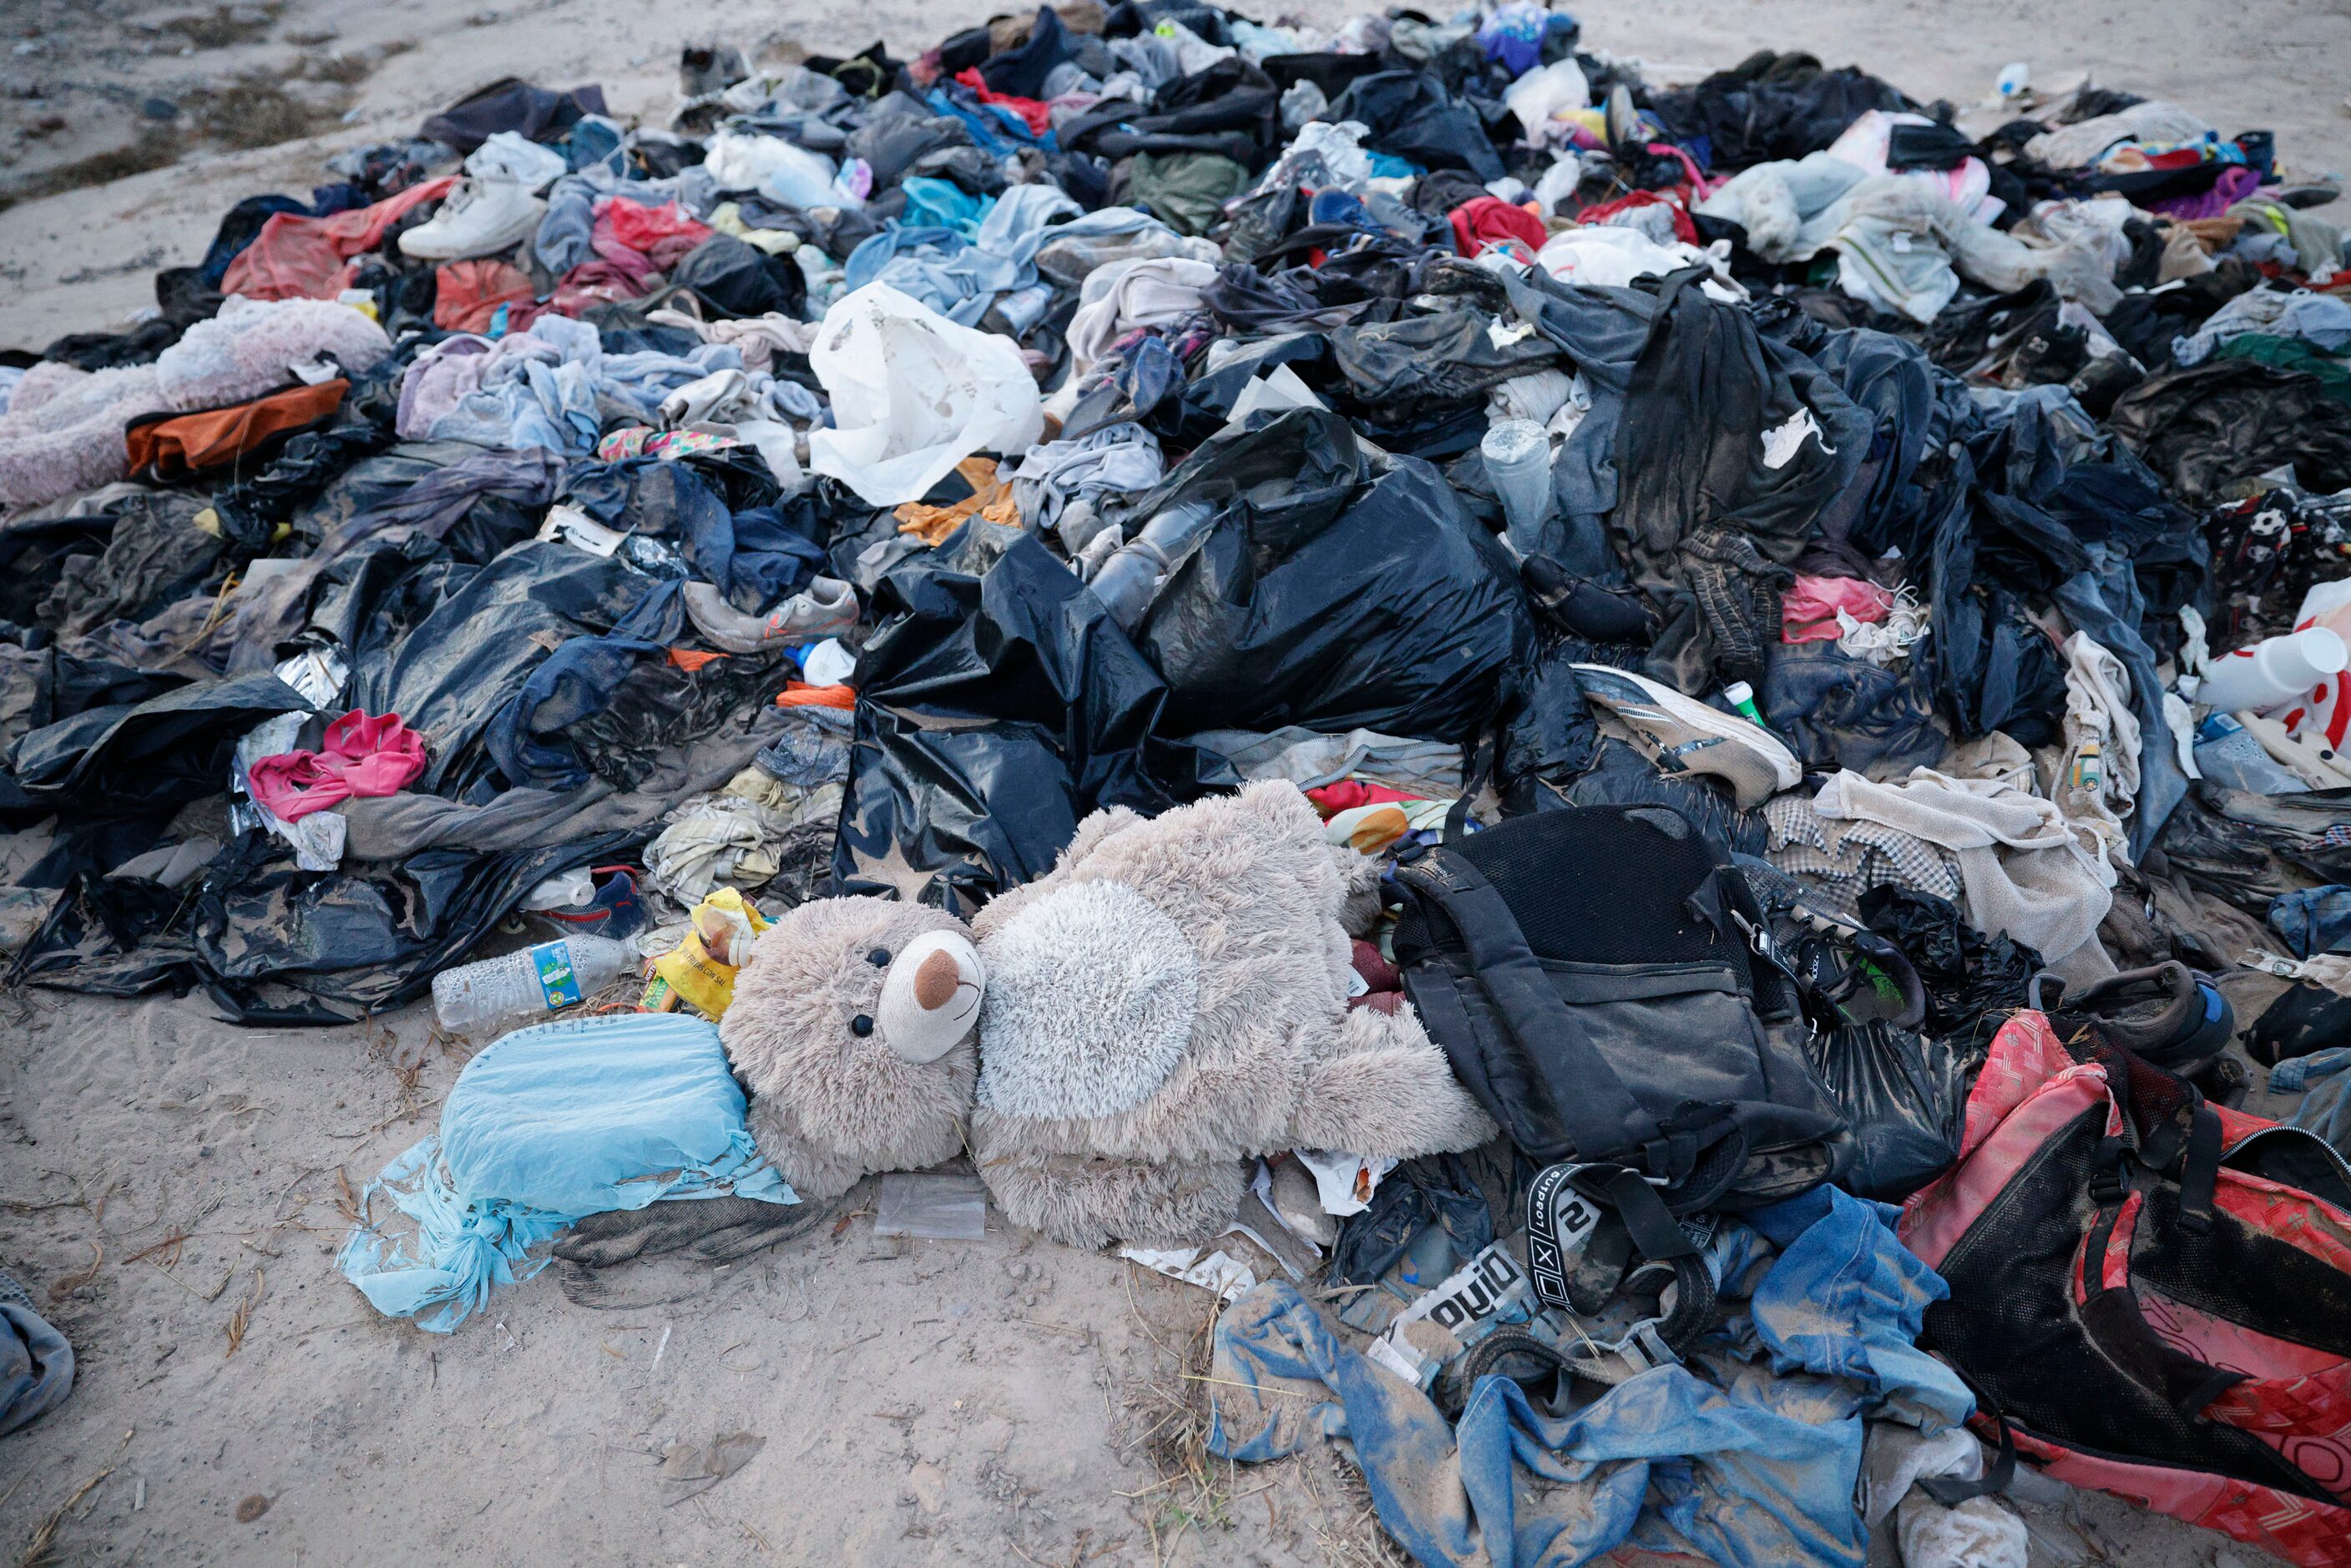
(1542, 92)
(913, 395)
(747, 160)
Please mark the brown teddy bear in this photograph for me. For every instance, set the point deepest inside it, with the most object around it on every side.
(1120, 1033)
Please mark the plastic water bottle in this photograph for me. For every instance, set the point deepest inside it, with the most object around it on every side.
(525, 986)
(1518, 461)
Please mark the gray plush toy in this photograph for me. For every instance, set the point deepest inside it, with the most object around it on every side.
(1169, 1000)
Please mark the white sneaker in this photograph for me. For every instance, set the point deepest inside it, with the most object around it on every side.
(1682, 735)
(480, 217)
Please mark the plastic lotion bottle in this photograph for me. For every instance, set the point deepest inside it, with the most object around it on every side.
(2322, 714)
(2274, 671)
(529, 984)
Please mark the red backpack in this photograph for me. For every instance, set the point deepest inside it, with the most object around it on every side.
(2152, 1293)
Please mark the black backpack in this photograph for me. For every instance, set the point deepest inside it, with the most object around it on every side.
(1589, 974)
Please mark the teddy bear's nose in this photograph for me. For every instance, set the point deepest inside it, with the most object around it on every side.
(935, 981)
(930, 998)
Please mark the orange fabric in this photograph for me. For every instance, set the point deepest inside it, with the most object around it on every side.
(466, 295)
(799, 693)
(2215, 234)
(166, 450)
(692, 659)
(991, 498)
(309, 258)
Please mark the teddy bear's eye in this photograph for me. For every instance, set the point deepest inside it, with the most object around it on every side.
(879, 957)
(860, 1025)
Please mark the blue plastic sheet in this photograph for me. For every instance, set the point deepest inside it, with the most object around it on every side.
(1753, 1464)
(550, 1125)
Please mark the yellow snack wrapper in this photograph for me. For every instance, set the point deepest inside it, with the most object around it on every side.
(700, 971)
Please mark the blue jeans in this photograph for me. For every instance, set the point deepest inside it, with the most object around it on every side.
(1755, 1466)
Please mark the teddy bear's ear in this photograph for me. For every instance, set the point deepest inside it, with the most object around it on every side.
(930, 998)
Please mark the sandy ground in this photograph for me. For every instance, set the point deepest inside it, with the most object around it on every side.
(170, 1187)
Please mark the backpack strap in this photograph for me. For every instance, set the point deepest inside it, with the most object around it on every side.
(1951, 1491)
(2110, 1316)
(2200, 1172)
(1477, 773)
(1606, 1123)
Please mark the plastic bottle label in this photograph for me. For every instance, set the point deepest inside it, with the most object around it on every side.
(558, 981)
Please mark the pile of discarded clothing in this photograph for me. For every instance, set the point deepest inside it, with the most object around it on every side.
(1610, 749)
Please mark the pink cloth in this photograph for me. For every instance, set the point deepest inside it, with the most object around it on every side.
(1808, 611)
(600, 281)
(310, 258)
(646, 239)
(365, 755)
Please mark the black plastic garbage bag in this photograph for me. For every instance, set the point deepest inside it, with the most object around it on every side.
(167, 750)
(369, 937)
(1906, 1099)
(1994, 667)
(1919, 409)
(111, 936)
(157, 555)
(997, 705)
(1547, 729)
(276, 945)
(468, 659)
(480, 499)
(1329, 590)
(611, 706)
(254, 504)
(40, 685)
(1973, 981)
(34, 554)
(370, 599)
(951, 816)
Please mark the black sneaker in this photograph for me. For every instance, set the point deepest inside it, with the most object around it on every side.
(2165, 1015)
